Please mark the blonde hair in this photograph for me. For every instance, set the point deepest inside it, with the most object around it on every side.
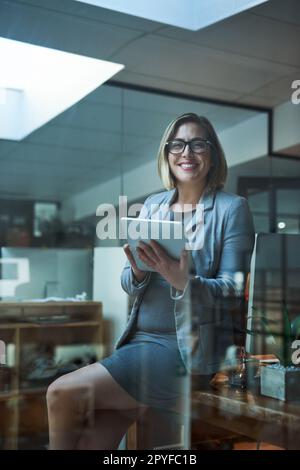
(217, 174)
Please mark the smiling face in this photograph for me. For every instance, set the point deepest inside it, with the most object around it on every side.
(188, 167)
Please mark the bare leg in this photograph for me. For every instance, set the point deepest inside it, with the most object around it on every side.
(72, 400)
(70, 410)
(109, 429)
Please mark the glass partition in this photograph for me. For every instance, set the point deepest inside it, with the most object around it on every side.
(68, 308)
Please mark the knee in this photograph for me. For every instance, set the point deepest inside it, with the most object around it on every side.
(55, 393)
(68, 394)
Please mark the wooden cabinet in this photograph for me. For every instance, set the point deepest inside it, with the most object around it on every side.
(42, 342)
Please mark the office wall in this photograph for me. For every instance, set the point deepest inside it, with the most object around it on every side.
(108, 265)
(53, 272)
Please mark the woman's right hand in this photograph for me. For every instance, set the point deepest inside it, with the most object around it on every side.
(138, 274)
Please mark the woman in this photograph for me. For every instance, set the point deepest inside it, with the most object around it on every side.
(157, 349)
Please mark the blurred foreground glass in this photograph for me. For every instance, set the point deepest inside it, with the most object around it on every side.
(238, 376)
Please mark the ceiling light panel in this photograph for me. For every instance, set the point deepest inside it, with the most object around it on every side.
(187, 14)
(38, 83)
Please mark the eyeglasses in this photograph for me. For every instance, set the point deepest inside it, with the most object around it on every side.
(196, 145)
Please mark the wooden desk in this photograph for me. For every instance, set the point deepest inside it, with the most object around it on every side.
(255, 416)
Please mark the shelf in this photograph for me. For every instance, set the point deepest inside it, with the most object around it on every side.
(32, 391)
(58, 325)
(9, 394)
(23, 410)
(21, 305)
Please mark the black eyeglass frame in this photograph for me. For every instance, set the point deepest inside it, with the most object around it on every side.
(187, 142)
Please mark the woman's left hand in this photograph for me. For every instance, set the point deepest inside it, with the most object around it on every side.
(174, 272)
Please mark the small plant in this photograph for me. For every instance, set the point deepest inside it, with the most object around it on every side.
(291, 332)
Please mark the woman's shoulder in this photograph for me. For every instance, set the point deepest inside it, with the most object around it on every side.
(227, 199)
(160, 197)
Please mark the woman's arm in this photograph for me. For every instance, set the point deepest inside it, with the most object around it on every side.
(133, 284)
(130, 284)
(237, 247)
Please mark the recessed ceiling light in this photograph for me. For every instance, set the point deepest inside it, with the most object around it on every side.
(188, 14)
(39, 83)
(281, 225)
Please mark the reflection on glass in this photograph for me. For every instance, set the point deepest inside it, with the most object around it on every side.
(259, 205)
(288, 210)
(238, 376)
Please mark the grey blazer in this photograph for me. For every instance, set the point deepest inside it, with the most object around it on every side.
(202, 315)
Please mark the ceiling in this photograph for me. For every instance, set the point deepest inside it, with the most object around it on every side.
(250, 58)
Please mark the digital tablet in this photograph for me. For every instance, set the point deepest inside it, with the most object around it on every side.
(169, 234)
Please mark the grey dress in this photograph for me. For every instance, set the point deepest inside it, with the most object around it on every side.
(149, 365)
